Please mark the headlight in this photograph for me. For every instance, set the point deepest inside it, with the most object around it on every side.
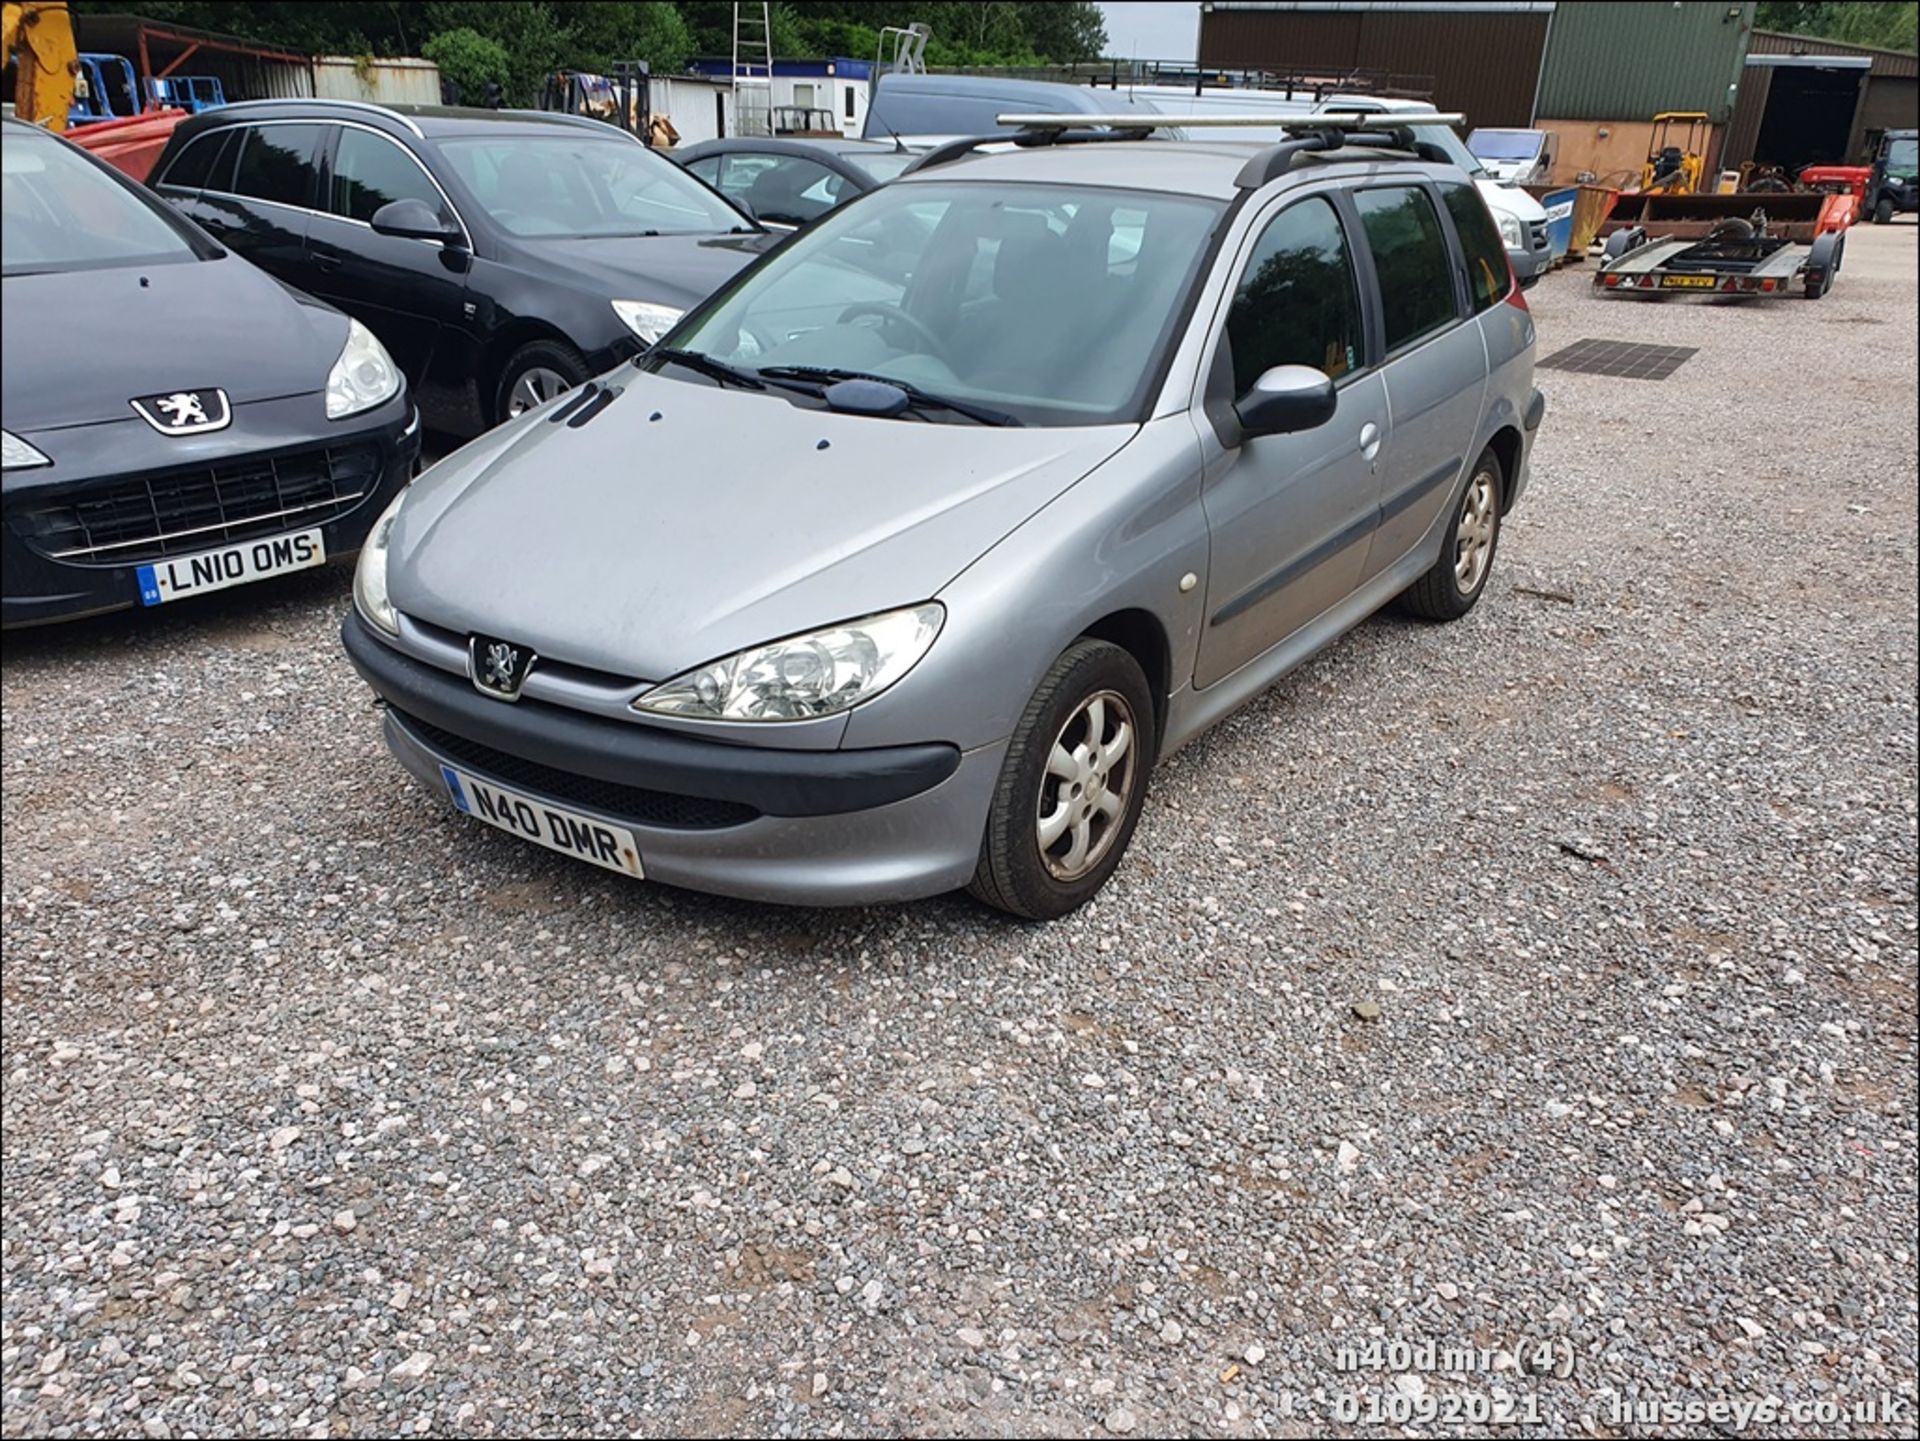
(645, 319)
(1511, 234)
(16, 454)
(362, 377)
(818, 674)
(370, 575)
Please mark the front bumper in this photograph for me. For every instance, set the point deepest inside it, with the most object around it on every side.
(801, 827)
(97, 458)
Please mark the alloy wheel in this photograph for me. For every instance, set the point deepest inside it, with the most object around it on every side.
(1088, 783)
(1473, 541)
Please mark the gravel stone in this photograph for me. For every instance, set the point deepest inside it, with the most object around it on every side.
(267, 983)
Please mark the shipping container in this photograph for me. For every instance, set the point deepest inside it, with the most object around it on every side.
(379, 82)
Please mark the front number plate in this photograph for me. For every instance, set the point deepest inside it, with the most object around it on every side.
(582, 837)
(1688, 282)
(184, 575)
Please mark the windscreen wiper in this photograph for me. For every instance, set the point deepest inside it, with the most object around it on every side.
(713, 369)
(917, 398)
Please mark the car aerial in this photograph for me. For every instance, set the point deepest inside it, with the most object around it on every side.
(884, 574)
(502, 256)
(176, 421)
(790, 183)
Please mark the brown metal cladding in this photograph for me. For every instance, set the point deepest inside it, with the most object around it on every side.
(1485, 64)
(1885, 62)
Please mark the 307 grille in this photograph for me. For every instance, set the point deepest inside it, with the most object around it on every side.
(645, 807)
(176, 512)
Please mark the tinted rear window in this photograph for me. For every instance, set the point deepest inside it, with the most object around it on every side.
(192, 166)
(1410, 256)
(1488, 276)
(276, 163)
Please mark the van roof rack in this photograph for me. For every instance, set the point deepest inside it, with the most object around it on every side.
(1330, 130)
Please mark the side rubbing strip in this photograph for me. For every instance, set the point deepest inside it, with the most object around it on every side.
(1295, 568)
(1412, 494)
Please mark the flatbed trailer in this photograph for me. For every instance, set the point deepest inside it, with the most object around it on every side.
(1736, 257)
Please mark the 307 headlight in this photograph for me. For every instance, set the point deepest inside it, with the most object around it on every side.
(370, 575)
(818, 674)
(1512, 235)
(16, 454)
(645, 319)
(363, 376)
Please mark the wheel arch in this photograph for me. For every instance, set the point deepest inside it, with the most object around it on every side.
(1507, 446)
(1142, 635)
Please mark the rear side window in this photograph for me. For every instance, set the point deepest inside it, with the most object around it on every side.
(1297, 303)
(276, 163)
(1488, 276)
(193, 166)
(1410, 255)
(369, 171)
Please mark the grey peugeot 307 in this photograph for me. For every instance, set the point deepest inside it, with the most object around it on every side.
(895, 566)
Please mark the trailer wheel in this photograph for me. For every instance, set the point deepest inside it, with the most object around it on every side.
(1824, 263)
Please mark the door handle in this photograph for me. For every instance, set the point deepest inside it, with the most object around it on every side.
(1369, 440)
(326, 262)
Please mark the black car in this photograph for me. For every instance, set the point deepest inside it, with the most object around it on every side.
(793, 182)
(175, 421)
(503, 256)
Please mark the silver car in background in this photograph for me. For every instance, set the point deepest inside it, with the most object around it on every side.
(899, 562)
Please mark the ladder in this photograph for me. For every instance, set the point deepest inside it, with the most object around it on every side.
(752, 69)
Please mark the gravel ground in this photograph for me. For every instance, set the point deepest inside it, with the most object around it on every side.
(1548, 977)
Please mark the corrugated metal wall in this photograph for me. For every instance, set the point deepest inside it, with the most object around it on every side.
(1627, 59)
(1885, 62)
(1483, 63)
(381, 82)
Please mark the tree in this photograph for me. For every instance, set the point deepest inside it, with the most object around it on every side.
(1881, 24)
(469, 60)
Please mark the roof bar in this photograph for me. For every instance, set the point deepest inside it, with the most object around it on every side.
(1325, 120)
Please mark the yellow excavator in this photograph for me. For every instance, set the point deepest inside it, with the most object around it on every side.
(1676, 169)
(39, 37)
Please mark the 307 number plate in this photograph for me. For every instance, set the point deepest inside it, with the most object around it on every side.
(184, 575)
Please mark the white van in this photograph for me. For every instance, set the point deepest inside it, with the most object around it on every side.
(1521, 218)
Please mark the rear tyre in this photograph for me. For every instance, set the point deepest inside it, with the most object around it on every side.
(534, 374)
(1072, 785)
(1453, 586)
(1883, 211)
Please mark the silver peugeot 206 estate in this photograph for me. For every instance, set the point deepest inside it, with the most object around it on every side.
(898, 562)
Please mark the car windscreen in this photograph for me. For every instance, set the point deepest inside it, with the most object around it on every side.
(1443, 139)
(60, 211)
(1903, 156)
(1505, 144)
(880, 164)
(579, 186)
(1049, 304)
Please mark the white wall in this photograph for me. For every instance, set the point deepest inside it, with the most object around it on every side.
(691, 104)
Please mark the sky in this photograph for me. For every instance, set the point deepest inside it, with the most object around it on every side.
(1151, 29)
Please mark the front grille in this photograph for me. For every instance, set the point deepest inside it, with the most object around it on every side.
(644, 807)
(177, 512)
(1537, 235)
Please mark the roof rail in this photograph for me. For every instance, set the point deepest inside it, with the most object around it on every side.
(1325, 120)
(387, 111)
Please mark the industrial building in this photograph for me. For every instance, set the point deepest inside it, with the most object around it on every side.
(1593, 71)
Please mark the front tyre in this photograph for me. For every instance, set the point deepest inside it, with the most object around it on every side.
(1450, 589)
(534, 374)
(1072, 785)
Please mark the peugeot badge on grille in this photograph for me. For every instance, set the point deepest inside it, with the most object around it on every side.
(499, 668)
(185, 412)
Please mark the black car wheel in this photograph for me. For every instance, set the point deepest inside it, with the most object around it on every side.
(534, 374)
(1450, 589)
(1072, 785)
(1883, 211)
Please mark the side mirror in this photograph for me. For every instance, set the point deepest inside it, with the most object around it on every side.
(412, 219)
(1286, 399)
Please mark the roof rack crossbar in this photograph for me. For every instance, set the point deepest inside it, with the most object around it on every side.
(1322, 120)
